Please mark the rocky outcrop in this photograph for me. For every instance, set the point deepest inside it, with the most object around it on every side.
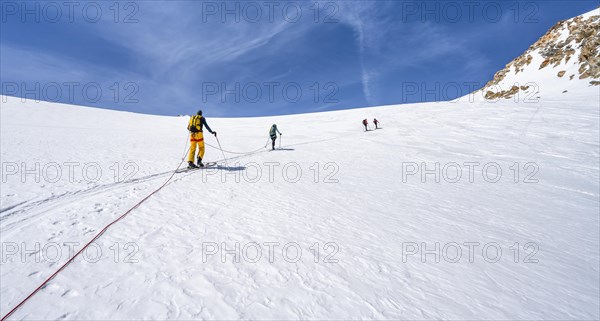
(490, 95)
(577, 38)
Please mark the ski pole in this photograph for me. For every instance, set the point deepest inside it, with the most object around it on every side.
(224, 158)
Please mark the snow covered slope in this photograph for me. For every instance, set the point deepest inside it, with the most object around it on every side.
(522, 243)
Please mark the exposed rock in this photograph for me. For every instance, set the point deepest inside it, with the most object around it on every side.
(583, 36)
(490, 95)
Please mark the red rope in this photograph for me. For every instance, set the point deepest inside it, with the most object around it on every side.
(90, 242)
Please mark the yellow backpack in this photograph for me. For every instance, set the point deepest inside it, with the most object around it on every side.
(195, 124)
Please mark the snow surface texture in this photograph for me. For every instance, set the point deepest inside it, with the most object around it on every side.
(371, 214)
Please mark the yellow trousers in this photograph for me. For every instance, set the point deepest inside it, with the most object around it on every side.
(196, 139)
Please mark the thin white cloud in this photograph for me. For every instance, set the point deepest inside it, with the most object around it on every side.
(354, 14)
(188, 43)
(421, 43)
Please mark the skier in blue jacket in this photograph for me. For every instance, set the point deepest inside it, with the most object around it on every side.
(273, 133)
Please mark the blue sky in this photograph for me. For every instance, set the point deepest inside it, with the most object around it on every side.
(252, 58)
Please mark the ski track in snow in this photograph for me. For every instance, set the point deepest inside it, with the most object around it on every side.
(370, 213)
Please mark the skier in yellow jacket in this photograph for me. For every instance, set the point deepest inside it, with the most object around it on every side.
(197, 139)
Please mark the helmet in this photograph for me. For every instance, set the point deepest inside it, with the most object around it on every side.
(199, 112)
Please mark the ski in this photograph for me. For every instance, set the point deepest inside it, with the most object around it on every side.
(188, 169)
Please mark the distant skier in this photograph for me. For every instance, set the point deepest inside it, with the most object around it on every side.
(197, 138)
(376, 122)
(366, 123)
(273, 132)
